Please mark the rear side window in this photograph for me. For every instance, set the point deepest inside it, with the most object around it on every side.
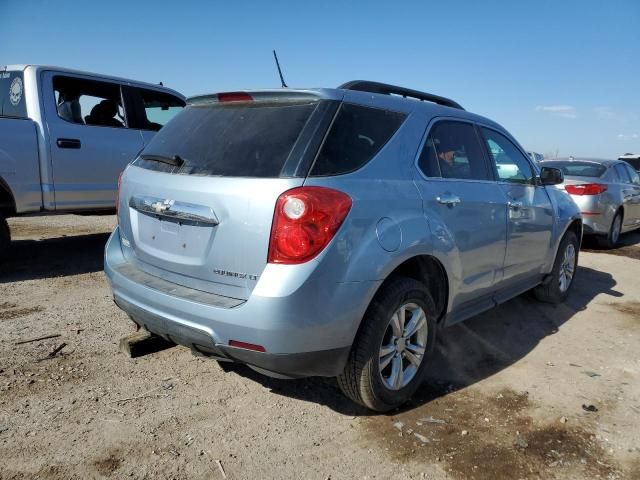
(623, 175)
(635, 178)
(89, 102)
(234, 140)
(356, 136)
(453, 150)
(12, 102)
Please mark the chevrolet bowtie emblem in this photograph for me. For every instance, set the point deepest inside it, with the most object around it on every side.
(163, 206)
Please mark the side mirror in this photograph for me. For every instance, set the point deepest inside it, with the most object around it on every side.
(551, 176)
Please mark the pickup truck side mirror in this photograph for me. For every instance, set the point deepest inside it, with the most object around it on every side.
(551, 176)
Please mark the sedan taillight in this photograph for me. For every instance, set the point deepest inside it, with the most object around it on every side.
(586, 189)
(304, 222)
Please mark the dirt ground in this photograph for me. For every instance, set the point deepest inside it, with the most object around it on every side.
(524, 391)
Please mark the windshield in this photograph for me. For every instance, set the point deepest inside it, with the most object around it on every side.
(235, 139)
(578, 169)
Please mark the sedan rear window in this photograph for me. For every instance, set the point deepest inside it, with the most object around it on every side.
(234, 140)
(578, 169)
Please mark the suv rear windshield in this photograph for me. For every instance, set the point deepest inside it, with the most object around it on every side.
(578, 169)
(234, 139)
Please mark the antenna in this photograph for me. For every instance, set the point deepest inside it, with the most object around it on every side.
(284, 85)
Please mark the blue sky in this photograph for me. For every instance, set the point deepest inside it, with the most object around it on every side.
(562, 76)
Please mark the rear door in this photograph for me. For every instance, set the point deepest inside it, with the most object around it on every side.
(529, 209)
(196, 207)
(465, 207)
(90, 139)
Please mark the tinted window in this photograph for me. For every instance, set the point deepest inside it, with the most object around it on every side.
(511, 165)
(634, 162)
(578, 169)
(12, 102)
(356, 136)
(452, 150)
(89, 102)
(235, 139)
(635, 178)
(154, 109)
(623, 175)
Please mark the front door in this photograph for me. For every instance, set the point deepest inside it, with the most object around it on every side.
(465, 208)
(529, 209)
(90, 141)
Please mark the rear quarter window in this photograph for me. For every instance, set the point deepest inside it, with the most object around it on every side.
(12, 101)
(356, 136)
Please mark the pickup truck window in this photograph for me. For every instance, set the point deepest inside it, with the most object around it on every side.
(12, 102)
(152, 109)
(89, 102)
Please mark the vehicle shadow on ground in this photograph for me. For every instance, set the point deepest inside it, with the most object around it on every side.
(469, 352)
(53, 257)
(629, 245)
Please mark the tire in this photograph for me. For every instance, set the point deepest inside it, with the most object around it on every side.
(363, 379)
(552, 290)
(612, 238)
(5, 237)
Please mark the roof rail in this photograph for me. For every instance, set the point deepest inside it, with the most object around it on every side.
(385, 89)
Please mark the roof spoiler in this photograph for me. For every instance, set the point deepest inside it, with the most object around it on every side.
(385, 89)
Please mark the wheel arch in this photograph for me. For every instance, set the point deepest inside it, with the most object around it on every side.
(7, 200)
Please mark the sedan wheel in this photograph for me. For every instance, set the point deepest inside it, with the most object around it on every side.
(567, 268)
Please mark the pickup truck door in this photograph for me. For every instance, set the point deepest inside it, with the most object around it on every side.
(529, 211)
(89, 146)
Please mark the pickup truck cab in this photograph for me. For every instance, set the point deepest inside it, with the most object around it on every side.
(66, 136)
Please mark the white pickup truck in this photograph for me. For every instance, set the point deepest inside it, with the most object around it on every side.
(66, 135)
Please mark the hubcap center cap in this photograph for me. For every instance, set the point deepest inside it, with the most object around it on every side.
(400, 344)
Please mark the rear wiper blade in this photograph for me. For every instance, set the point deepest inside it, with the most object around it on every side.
(176, 160)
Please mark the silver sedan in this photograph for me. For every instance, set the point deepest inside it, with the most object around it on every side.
(607, 192)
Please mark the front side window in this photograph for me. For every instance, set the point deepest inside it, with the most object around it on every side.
(155, 109)
(511, 165)
(453, 150)
(89, 102)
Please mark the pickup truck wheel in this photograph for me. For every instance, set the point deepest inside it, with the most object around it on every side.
(556, 288)
(393, 347)
(5, 237)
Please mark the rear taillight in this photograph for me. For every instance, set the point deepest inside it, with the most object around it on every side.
(304, 222)
(586, 189)
(234, 97)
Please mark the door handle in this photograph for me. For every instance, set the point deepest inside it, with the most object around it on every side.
(515, 204)
(448, 199)
(68, 143)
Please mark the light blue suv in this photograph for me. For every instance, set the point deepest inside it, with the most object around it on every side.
(333, 232)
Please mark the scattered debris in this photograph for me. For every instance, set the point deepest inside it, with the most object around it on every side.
(433, 420)
(520, 442)
(3, 428)
(224, 475)
(563, 419)
(165, 386)
(464, 432)
(591, 374)
(398, 425)
(422, 438)
(575, 365)
(31, 340)
(589, 408)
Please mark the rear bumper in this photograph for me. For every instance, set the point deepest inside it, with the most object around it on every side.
(308, 331)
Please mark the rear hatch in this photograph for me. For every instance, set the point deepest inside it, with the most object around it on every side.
(196, 206)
